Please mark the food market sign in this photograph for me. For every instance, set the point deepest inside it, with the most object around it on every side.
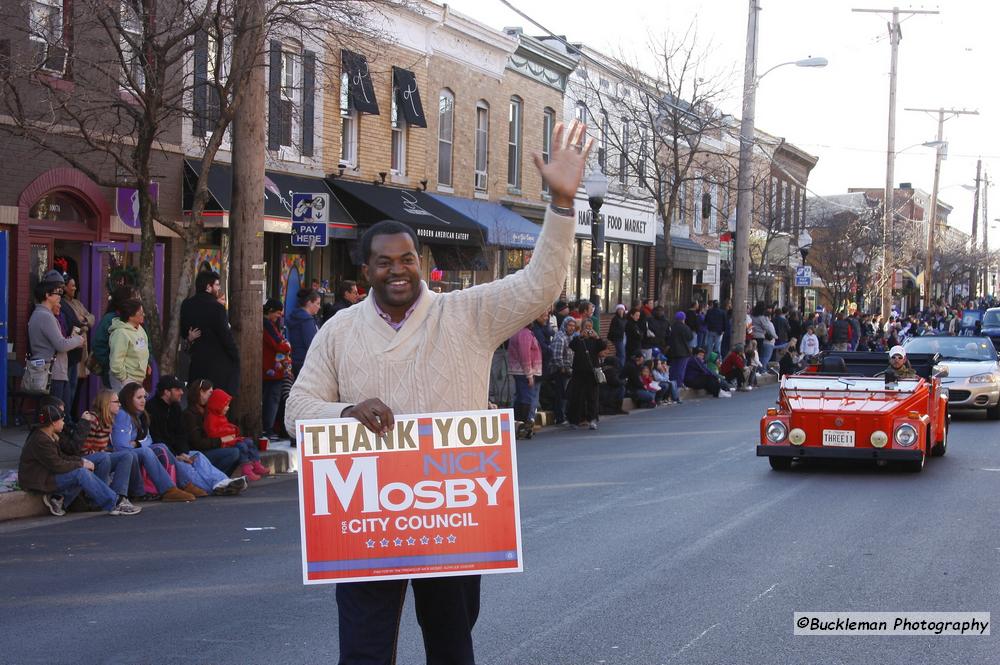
(622, 223)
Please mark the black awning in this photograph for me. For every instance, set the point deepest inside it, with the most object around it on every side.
(359, 82)
(408, 97)
(278, 190)
(433, 221)
(687, 254)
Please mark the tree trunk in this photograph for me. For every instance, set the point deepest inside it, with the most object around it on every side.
(246, 228)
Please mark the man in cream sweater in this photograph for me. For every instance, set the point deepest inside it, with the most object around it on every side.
(409, 350)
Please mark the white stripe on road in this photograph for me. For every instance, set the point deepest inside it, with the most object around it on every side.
(568, 486)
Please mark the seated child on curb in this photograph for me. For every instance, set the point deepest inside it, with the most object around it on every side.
(661, 374)
(217, 426)
(46, 467)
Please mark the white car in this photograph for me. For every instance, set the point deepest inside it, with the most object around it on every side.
(973, 370)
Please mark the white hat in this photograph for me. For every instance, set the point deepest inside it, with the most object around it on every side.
(620, 306)
(897, 351)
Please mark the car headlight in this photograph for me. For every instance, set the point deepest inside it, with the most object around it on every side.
(797, 436)
(906, 435)
(988, 377)
(879, 439)
(776, 431)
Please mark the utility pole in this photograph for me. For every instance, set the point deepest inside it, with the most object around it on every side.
(889, 202)
(744, 195)
(246, 227)
(974, 277)
(932, 219)
(986, 236)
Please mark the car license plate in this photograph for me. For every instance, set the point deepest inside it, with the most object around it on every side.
(843, 438)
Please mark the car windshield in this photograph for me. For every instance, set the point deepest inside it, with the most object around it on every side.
(847, 383)
(976, 349)
(992, 318)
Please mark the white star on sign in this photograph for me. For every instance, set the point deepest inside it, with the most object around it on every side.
(425, 540)
(384, 542)
(452, 539)
(370, 544)
(438, 540)
(411, 541)
(397, 542)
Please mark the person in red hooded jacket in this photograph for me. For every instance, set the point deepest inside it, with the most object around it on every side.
(217, 426)
(277, 365)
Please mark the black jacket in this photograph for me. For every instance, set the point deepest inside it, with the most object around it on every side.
(661, 331)
(616, 331)
(715, 320)
(631, 374)
(635, 336)
(840, 332)
(337, 306)
(781, 328)
(680, 337)
(166, 425)
(214, 355)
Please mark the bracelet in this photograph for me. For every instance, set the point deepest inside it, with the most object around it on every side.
(565, 212)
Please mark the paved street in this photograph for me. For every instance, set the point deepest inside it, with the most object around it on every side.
(658, 539)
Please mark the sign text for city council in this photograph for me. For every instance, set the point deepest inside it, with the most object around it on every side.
(435, 496)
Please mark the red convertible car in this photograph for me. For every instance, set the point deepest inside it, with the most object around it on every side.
(845, 406)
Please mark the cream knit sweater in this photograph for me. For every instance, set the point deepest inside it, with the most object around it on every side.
(440, 359)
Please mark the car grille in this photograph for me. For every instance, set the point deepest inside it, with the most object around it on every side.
(958, 395)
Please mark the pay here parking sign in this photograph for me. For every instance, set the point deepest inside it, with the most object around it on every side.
(436, 496)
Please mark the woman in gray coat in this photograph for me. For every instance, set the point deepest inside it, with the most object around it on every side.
(46, 340)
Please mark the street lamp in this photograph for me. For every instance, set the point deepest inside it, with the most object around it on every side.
(859, 257)
(741, 259)
(596, 186)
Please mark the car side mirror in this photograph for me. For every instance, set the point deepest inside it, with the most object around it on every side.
(941, 372)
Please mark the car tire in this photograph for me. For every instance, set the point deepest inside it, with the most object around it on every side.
(780, 463)
(941, 447)
(993, 412)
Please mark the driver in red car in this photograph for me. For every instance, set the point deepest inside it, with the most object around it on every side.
(899, 364)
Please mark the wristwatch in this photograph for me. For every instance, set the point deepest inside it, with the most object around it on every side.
(565, 212)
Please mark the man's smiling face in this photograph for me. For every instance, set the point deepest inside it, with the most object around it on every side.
(393, 270)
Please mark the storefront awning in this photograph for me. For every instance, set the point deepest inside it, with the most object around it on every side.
(687, 254)
(433, 221)
(503, 226)
(278, 190)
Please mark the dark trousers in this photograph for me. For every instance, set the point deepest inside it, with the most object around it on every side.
(369, 612)
(223, 459)
(736, 375)
(560, 383)
(709, 384)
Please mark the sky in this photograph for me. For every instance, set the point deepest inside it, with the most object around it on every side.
(838, 113)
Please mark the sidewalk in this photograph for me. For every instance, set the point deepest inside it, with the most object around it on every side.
(280, 456)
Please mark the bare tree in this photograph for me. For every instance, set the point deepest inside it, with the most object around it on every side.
(837, 232)
(659, 131)
(117, 95)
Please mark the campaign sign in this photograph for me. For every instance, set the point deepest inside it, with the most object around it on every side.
(434, 497)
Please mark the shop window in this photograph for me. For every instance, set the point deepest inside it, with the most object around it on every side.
(46, 32)
(614, 281)
(482, 145)
(548, 123)
(446, 128)
(516, 259)
(628, 264)
(573, 274)
(134, 76)
(515, 120)
(398, 159)
(348, 124)
(585, 249)
(57, 208)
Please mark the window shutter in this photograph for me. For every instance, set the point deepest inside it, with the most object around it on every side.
(274, 97)
(200, 89)
(308, 101)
